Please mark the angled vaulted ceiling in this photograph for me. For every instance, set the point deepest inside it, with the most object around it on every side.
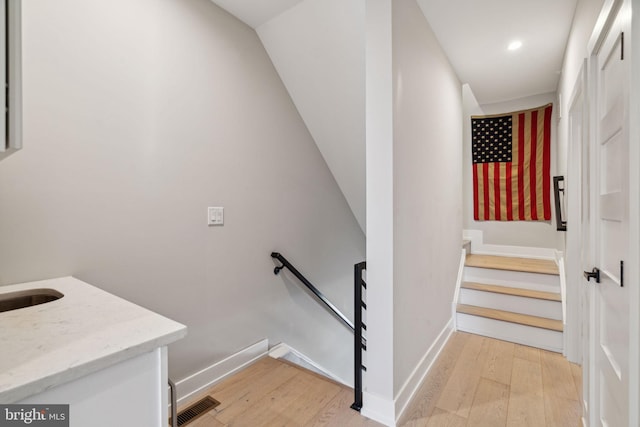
(256, 12)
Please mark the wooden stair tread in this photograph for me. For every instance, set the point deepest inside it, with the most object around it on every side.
(508, 316)
(527, 293)
(528, 265)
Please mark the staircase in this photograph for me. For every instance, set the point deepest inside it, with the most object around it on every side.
(512, 299)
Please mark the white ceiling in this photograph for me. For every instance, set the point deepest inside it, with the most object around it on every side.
(475, 35)
(256, 12)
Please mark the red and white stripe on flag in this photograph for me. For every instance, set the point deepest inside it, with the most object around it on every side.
(512, 165)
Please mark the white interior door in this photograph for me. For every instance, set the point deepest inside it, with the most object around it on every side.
(609, 355)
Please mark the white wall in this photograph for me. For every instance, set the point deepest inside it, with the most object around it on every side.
(584, 20)
(318, 49)
(139, 115)
(538, 234)
(427, 187)
(414, 207)
(378, 396)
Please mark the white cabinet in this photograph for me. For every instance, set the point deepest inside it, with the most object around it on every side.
(132, 393)
(104, 356)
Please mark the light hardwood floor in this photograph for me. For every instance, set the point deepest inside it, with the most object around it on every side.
(483, 382)
(476, 382)
(276, 393)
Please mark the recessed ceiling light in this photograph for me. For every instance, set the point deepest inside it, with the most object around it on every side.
(515, 45)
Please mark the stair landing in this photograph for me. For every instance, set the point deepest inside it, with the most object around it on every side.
(529, 265)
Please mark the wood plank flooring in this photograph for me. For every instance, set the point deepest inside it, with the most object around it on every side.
(476, 382)
(479, 381)
(272, 392)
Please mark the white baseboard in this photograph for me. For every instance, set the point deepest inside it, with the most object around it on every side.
(280, 351)
(480, 248)
(388, 412)
(415, 380)
(188, 387)
(378, 409)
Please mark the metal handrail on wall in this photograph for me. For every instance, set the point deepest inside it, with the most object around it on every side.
(359, 340)
(310, 286)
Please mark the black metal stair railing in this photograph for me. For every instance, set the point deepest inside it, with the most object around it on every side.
(359, 340)
(359, 343)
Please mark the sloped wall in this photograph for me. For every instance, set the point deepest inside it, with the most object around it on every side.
(318, 48)
(138, 115)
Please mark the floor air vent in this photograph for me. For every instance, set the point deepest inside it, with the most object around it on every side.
(196, 410)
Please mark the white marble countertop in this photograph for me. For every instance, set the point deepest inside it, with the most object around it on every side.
(86, 330)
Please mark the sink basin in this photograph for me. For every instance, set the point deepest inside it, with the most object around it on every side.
(21, 299)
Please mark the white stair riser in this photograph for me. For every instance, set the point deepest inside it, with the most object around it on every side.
(515, 279)
(516, 304)
(513, 332)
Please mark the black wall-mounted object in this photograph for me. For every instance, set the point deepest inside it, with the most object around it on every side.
(312, 288)
(359, 341)
(558, 191)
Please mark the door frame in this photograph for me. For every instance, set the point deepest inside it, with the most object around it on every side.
(577, 106)
(634, 212)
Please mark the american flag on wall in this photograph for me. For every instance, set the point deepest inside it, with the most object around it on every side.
(512, 165)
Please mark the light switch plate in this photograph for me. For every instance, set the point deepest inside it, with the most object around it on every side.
(215, 216)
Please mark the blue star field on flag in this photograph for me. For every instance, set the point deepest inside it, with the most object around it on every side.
(491, 141)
